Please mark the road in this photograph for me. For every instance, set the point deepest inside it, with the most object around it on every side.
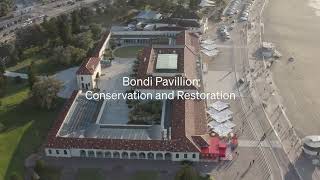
(50, 10)
(234, 55)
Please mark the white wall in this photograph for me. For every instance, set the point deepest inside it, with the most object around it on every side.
(57, 152)
(89, 79)
(182, 156)
(104, 46)
(76, 153)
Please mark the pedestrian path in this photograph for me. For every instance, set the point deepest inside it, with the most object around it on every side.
(14, 74)
(249, 143)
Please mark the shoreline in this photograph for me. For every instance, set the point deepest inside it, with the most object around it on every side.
(292, 33)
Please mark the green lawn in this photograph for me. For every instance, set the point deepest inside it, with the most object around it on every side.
(90, 174)
(127, 52)
(26, 127)
(146, 175)
(42, 66)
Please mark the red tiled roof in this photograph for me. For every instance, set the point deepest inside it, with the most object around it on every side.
(88, 66)
(100, 44)
(187, 50)
(199, 141)
(179, 142)
(188, 117)
(190, 40)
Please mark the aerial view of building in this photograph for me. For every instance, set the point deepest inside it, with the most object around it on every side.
(159, 90)
(85, 128)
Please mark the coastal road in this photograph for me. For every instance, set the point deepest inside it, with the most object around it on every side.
(230, 62)
(50, 10)
(234, 54)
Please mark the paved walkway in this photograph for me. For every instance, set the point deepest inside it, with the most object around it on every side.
(67, 77)
(14, 74)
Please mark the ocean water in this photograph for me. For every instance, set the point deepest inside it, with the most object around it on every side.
(315, 4)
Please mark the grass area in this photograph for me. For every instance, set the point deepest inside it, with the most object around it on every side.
(26, 127)
(91, 174)
(42, 66)
(127, 52)
(146, 175)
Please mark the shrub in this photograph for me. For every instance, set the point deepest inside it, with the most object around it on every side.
(15, 176)
(2, 127)
(17, 79)
(40, 165)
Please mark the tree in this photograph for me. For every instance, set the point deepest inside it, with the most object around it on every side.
(77, 54)
(193, 4)
(187, 173)
(40, 166)
(75, 22)
(15, 176)
(3, 84)
(30, 36)
(4, 9)
(51, 28)
(85, 13)
(2, 70)
(31, 75)
(45, 92)
(96, 30)
(83, 40)
(67, 56)
(64, 29)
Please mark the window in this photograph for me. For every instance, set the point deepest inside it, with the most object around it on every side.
(50, 152)
(185, 156)
(193, 156)
(177, 155)
(81, 78)
(57, 152)
(65, 152)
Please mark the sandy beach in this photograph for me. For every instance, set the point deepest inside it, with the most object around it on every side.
(294, 27)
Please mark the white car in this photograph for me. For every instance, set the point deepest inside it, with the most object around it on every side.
(243, 18)
(311, 145)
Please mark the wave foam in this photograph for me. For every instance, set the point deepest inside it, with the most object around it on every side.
(315, 4)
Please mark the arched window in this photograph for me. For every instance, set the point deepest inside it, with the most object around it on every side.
(133, 155)
(99, 154)
(125, 155)
(142, 155)
(159, 156)
(107, 154)
(116, 155)
(83, 153)
(91, 154)
(150, 155)
(167, 156)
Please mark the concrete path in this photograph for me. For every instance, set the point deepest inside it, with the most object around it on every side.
(67, 77)
(14, 74)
